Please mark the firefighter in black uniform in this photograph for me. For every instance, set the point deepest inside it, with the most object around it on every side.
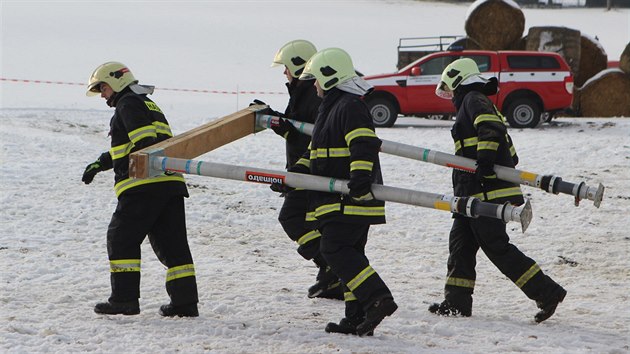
(152, 206)
(345, 146)
(303, 105)
(480, 133)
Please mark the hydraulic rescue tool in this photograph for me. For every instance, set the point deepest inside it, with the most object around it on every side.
(548, 183)
(467, 206)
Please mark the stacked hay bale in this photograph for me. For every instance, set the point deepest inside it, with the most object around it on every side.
(624, 60)
(562, 40)
(598, 92)
(593, 59)
(495, 24)
(607, 94)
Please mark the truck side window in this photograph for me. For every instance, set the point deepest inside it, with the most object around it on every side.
(532, 62)
(483, 62)
(435, 66)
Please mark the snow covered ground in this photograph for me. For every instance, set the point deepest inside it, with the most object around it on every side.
(252, 283)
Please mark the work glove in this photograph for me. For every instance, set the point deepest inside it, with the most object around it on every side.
(91, 170)
(280, 126)
(281, 188)
(360, 185)
(485, 172)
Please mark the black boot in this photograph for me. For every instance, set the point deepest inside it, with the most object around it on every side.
(448, 309)
(548, 307)
(375, 314)
(171, 310)
(118, 308)
(345, 326)
(327, 285)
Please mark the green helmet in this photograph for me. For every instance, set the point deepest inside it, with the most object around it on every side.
(329, 67)
(454, 74)
(115, 74)
(294, 56)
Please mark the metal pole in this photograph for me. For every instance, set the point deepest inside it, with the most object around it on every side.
(470, 207)
(548, 183)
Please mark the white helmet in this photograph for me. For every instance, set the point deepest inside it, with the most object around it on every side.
(461, 71)
(115, 74)
(329, 67)
(294, 56)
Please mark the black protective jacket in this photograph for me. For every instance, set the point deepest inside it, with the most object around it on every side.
(302, 107)
(137, 123)
(343, 145)
(480, 133)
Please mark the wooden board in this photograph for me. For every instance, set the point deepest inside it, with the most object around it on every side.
(197, 141)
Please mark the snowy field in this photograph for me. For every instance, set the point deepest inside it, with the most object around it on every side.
(252, 284)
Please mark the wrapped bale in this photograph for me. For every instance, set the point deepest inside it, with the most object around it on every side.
(495, 24)
(593, 59)
(624, 60)
(562, 40)
(606, 94)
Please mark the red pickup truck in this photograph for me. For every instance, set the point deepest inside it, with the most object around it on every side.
(532, 85)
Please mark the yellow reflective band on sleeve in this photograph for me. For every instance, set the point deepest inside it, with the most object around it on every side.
(327, 208)
(512, 150)
(120, 151)
(361, 165)
(152, 106)
(487, 118)
(124, 265)
(499, 193)
(339, 152)
(148, 131)
(488, 145)
(364, 211)
(349, 296)
(470, 141)
(527, 275)
(162, 128)
(182, 271)
(458, 145)
(310, 216)
(360, 132)
(309, 236)
(461, 282)
(303, 162)
(132, 182)
(360, 278)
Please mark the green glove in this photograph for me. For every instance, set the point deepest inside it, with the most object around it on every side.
(91, 170)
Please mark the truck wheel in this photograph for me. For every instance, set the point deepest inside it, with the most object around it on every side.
(523, 113)
(383, 111)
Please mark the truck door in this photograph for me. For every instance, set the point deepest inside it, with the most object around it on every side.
(421, 88)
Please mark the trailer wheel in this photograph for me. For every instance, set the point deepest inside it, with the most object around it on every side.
(384, 112)
(523, 113)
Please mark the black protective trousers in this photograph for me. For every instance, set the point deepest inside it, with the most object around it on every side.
(292, 218)
(163, 220)
(343, 248)
(466, 237)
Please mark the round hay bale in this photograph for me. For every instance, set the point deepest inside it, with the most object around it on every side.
(520, 44)
(624, 60)
(562, 40)
(593, 59)
(464, 44)
(495, 24)
(607, 94)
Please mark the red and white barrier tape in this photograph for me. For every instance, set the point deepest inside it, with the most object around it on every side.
(157, 88)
